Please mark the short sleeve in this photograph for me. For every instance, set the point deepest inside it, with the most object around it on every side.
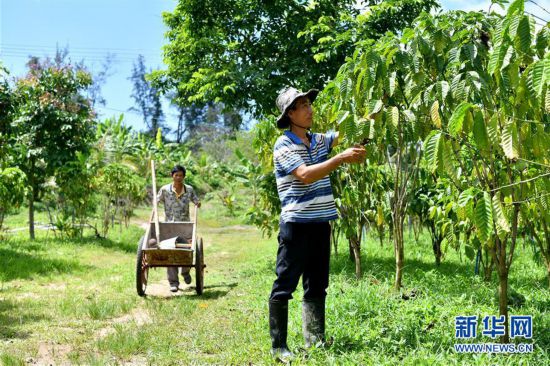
(160, 196)
(329, 139)
(286, 159)
(194, 197)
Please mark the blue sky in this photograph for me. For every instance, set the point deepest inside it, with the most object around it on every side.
(92, 29)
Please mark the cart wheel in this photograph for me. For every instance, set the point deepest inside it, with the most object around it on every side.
(199, 267)
(142, 271)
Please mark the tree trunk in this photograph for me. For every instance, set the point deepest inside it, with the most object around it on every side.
(488, 265)
(436, 245)
(357, 255)
(381, 236)
(503, 300)
(31, 216)
(334, 234)
(351, 251)
(1, 221)
(544, 247)
(399, 254)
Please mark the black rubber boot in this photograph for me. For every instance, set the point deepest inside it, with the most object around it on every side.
(313, 321)
(278, 324)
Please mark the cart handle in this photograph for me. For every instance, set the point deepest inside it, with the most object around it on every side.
(155, 204)
(194, 237)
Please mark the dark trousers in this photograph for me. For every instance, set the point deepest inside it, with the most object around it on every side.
(304, 250)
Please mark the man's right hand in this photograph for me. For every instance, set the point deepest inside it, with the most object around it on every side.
(356, 154)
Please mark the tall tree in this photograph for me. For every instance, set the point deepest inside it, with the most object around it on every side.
(241, 54)
(147, 99)
(6, 107)
(53, 122)
(189, 116)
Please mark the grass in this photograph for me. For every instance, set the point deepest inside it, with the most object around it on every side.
(75, 302)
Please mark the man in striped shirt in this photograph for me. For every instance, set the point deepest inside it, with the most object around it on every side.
(302, 168)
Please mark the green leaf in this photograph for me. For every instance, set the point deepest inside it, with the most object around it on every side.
(434, 112)
(475, 80)
(344, 87)
(458, 88)
(514, 25)
(447, 159)
(454, 55)
(509, 140)
(359, 81)
(498, 33)
(493, 130)
(375, 106)
(479, 131)
(535, 79)
(516, 6)
(494, 59)
(343, 117)
(524, 33)
(484, 217)
(500, 219)
(392, 82)
(542, 42)
(507, 57)
(465, 197)
(442, 88)
(371, 129)
(431, 152)
(457, 118)
(547, 100)
(449, 235)
(543, 201)
(366, 128)
(394, 116)
(351, 129)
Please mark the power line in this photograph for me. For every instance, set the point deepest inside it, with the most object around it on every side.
(131, 50)
(534, 16)
(76, 59)
(531, 1)
(96, 59)
(78, 52)
(77, 55)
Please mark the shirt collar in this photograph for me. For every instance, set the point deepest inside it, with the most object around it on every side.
(294, 138)
(173, 190)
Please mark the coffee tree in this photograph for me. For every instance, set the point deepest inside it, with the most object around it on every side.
(469, 91)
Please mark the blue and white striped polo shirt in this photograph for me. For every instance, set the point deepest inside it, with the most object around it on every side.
(303, 202)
